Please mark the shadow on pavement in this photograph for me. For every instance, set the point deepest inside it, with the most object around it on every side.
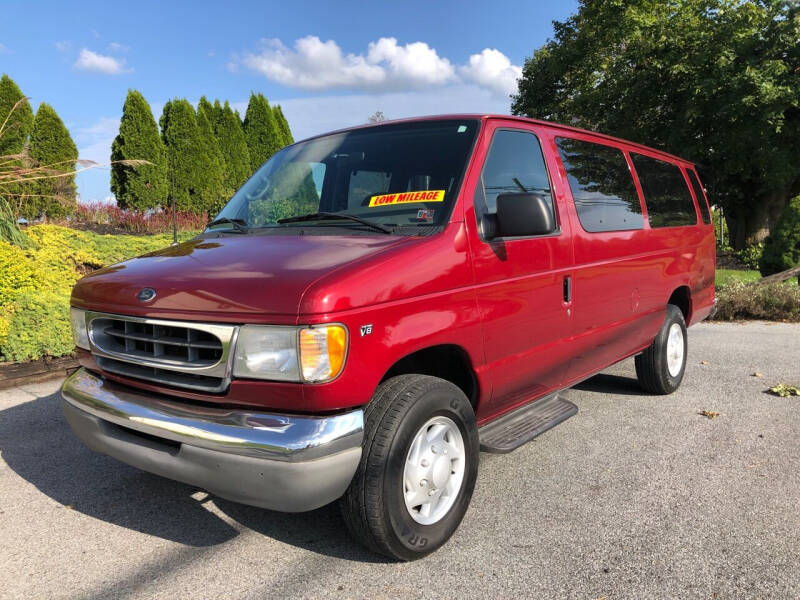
(38, 445)
(611, 384)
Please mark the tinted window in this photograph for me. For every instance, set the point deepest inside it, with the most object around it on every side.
(701, 197)
(669, 203)
(515, 164)
(403, 175)
(602, 186)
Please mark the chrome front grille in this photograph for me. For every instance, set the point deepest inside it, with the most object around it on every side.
(177, 353)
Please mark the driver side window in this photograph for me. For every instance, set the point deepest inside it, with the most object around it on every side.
(514, 164)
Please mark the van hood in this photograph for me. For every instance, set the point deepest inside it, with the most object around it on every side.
(230, 274)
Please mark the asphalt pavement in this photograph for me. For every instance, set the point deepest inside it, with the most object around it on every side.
(636, 496)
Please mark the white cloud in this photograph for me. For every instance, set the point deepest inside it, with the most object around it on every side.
(117, 47)
(316, 65)
(4, 49)
(100, 63)
(63, 46)
(492, 69)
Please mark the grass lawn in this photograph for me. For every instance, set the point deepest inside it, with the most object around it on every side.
(726, 276)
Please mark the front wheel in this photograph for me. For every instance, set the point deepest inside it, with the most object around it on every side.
(418, 467)
(661, 366)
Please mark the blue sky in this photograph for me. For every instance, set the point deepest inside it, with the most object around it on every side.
(329, 64)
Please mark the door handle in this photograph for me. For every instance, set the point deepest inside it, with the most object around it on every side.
(567, 289)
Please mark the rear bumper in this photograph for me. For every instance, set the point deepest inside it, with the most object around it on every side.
(280, 462)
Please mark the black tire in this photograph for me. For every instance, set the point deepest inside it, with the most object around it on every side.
(373, 507)
(652, 368)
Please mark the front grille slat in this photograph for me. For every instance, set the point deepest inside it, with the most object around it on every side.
(182, 354)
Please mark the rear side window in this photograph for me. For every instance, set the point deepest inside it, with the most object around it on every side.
(701, 197)
(602, 186)
(515, 164)
(669, 203)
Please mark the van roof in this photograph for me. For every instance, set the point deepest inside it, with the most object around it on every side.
(486, 117)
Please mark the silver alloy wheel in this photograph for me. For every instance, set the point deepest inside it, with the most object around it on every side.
(434, 470)
(675, 349)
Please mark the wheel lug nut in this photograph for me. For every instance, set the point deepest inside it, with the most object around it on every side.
(431, 492)
(424, 462)
(423, 483)
(434, 449)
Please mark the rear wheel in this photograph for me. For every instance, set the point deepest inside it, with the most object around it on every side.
(418, 467)
(661, 366)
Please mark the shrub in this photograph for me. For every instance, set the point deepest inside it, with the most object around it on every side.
(133, 221)
(782, 247)
(39, 326)
(773, 302)
(35, 284)
(751, 255)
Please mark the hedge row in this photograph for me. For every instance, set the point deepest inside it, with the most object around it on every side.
(35, 284)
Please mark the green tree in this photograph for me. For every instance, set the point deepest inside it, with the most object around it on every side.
(715, 81)
(51, 149)
(186, 159)
(233, 146)
(13, 140)
(283, 126)
(782, 247)
(145, 186)
(18, 124)
(213, 193)
(261, 131)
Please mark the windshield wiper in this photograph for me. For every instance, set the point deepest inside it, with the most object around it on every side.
(325, 216)
(239, 225)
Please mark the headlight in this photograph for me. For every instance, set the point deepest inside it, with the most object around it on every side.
(80, 334)
(290, 353)
(267, 353)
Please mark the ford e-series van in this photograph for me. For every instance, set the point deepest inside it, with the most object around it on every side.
(377, 305)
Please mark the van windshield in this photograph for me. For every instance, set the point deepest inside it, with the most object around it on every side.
(404, 174)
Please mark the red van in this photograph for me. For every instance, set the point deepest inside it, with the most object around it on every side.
(377, 305)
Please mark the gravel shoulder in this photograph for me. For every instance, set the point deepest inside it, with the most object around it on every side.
(634, 497)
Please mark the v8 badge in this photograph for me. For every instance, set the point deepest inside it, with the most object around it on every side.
(366, 329)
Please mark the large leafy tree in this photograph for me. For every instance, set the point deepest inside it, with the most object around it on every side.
(715, 81)
(18, 124)
(261, 131)
(233, 146)
(186, 158)
(145, 186)
(54, 152)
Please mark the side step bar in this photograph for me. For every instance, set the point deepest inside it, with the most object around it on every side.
(520, 426)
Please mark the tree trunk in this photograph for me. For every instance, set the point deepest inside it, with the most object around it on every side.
(752, 226)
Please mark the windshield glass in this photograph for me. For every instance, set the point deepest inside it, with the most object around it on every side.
(393, 175)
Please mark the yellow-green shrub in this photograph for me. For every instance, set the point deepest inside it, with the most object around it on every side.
(35, 284)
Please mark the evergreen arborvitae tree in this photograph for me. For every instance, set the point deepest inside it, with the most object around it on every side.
(283, 125)
(52, 148)
(213, 193)
(208, 108)
(186, 158)
(145, 186)
(233, 146)
(218, 115)
(261, 131)
(20, 122)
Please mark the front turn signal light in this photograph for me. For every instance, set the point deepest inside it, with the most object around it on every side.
(323, 349)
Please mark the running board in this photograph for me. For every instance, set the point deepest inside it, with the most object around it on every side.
(520, 426)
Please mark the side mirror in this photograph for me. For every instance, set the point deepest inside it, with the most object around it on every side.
(521, 214)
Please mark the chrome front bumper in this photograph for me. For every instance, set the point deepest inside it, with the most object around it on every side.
(281, 462)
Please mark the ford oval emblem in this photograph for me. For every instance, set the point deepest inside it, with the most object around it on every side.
(146, 295)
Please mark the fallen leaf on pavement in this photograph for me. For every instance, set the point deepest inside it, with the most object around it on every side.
(709, 413)
(784, 391)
